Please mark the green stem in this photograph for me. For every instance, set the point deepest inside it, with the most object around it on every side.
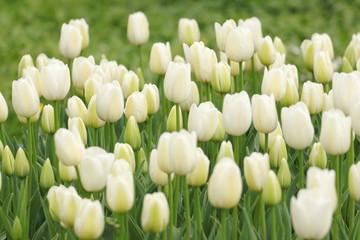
(2, 135)
(262, 218)
(187, 209)
(209, 90)
(301, 170)
(273, 223)
(266, 143)
(57, 114)
(255, 83)
(95, 140)
(349, 157)
(237, 146)
(337, 165)
(150, 134)
(351, 214)
(241, 74)
(224, 214)
(112, 136)
(235, 222)
(176, 198)
(140, 56)
(170, 197)
(55, 160)
(197, 211)
(178, 120)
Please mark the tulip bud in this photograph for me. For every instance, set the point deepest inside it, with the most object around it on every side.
(254, 25)
(76, 108)
(323, 67)
(124, 151)
(256, 167)
(69, 147)
(307, 50)
(17, 229)
(138, 28)
(267, 52)
(354, 182)
(222, 33)
(32, 73)
(22, 167)
(47, 119)
(120, 192)
(219, 134)
(155, 213)
(177, 82)
(271, 193)
(346, 66)
(328, 101)
(89, 220)
(141, 159)
(55, 81)
(226, 173)
(151, 93)
(82, 25)
(69, 205)
(110, 102)
(171, 123)
(130, 83)
(310, 204)
(225, 151)
(312, 96)
(274, 81)
(200, 174)
(119, 167)
(279, 61)
(279, 45)
(70, 41)
(271, 136)
(203, 120)
(92, 119)
(8, 162)
(79, 125)
(188, 31)
(91, 85)
(67, 173)
(335, 132)
(284, 174)
(26, 61)
(317, 156)
(132, 134)
(239, 52)
(94, 168)
(221, 77)
(264, 113)
(136, 106)
(277, 151)
(82, 69)
(4, 111)
(156, 174)
(160, 57)
(25, 99)
(41, 61)
(47, 179)
(291, 94)
(193, 98)
(237, 113)
(297, 127)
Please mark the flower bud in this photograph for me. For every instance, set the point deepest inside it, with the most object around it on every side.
(120, 192)
(312, 96)
(274, 82)
(25, 99)
(254, 25)
(328, 101)
(110, 102)
(155, 213)
(188, 31)
(120, 166)
(47, 119)
(55, 81)
(76, 108)
(226, 173)
(354, 182)
(91, 85)
(200, 174)
(82, 69)
(335, 132)
(279, 45)
(317, 156)
(284, 174)
(69, 147)
(264, 113)
(89, 220)
(17, 229)
(141, 160)
(132, 134)
(151, 93)
(323, 67)
(225, 151)
(92, 119)
(219, 134)
(203, 120)
(291, 94)
(193, 98)
(271, 193)
(346, 66)
(237, 113)
(47, 178)
(267, 52)
(307, 50)
(156, 174)
(136, 106)
(69, 205)
(171, 123)
(160, 57)
(22, 167)
(124, 151)
(130, 83)
(222, 32)
(271, 136)
(221, 77)
(82, 25)
(70, 41)
(8, 161)
(79, 125)
(26, 61)
(67, 173)
(177, 82)
(277, 151)
(256, 167)
(239, 52)
(138, 28)
(4, 111)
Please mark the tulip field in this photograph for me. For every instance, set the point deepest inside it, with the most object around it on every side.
(231, 134)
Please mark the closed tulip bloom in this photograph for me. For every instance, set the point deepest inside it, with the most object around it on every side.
(177, 82)
(354, 182)
(54, 197)
(82, 68)
(177, 152)
(77, 124)
(155, 212)
(325, 43)
(308, 51)
(110, 102)
(239, 44)
(254, 25)
(89, 220)
(41, 60)
(193, 98)
(335, 132)
(312, 96)
(55, 81)
(220, 133)
(4, 111)
(91, 85)
(225, 184)
(225, 151)
(120, 192)
(33, 74)
(69, 147)
(151, 93)
(82, 25)
(328, 101)
(25, 62)
(237, 113)
(311, 214)
(130, 83)
(279, 45)
(141, 160)
(323, 67)
(297, 127)
(284, 174)
(274, 82)
(67, 173)
(136, 106)
(132, 134)
(264, 113)
(188, 31)
(203, 120)
(267, 52)
(345, 86)
(271, 136)
(355, 114)
(291, 94)
(92, 119)
(76, 108)
(277, 151)
(221, 77)
(222, 32)
(69, 204)
(258, 66)
(8, 161)
(317, 156)
(70, 43)
(160, 57)
(200, 174)
(256, 167)
(156, 174)
(47, 178)
(291, 72)
(138, 28)
(25, 99)
(271, 193)
(124, 151)
(22, 167)
(119, 167)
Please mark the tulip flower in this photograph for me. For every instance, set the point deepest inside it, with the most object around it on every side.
(69, 147)
(291, 94)
(156, 174)
(277, 151)
(267, 52)
(177, 82)
(193, 98)
(132, 133)
(69, 205)
(92, 119)
(256, 168)
(82, 25)
(323, 67)
(271, 193)
(76, 125)
(130, 83)
(76, 108)
(82, 69)
(203, 120)
(136, 106)
(25, 62)
(55, 81)
(67, 173)
(4, 111)
(188, 31)
(120, 192)
(70, 43)
(328, 101)
(264, 113)
(271, 136)
(239, 52)
(279, 45)
(160, 57)
(124, 151)
(47, 178)
(138, 28)
(225, 185)
(200, 174)
(110, 102)
(91, 85)
(312, 96)
(219, 134)
(22, 167)
(120, 167)
(284, 174)
(222, 32)
(274, 82)
(254, 25)
(354, 181)
(335, 132)
(8, 161)
(225, 151)
(34, 74)
(221, 77)
(317, 156)
(155, 212)
(355, 114)
(151, 93)
(25, 99)
(47, 119)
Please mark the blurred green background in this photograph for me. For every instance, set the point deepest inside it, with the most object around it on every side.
(33, 27)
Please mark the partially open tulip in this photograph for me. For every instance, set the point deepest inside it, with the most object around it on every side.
(177, 82)
(221, 77)
(264, 113)
(67, 173)
(82, 25)
(69, 202)
(312, 96)
(323, 67)
(256, 168)
(274, 82)
(82, 69)
(70, 43)
(155, 212)
(225, 184)
(267, 52)
(138, 28)
(222, 32)
(136, 106)
(110, 102)
(239, 52)
(200, 174)
(188, 31)
(55, 81)
(160, 57)
(69, 147)
(277, 151)
(120, 192)
(25, 99)
(124, 151)
(317, 156)
(203, 120)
